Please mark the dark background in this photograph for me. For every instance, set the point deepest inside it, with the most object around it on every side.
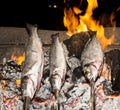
(18, 13)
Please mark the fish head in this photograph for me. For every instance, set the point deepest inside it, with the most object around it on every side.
(90, 73)
(28, 88)
(56, 82)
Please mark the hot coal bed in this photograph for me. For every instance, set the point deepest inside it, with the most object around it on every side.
(75, 94)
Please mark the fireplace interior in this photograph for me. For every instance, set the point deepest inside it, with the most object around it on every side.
(73, 21)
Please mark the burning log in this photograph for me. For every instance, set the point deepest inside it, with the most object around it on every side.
(113, 60)
(76, 43)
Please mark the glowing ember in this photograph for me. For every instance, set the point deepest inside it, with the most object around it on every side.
(19, 59)
(3, 82)
(106, 72)
(70, 21)
(18, 83)
(75, 22)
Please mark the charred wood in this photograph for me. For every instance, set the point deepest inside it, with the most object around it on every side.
(113, 60)
(76, 43)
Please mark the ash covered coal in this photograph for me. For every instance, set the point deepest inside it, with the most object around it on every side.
(10, 70)
(103, 100)
(71, 93)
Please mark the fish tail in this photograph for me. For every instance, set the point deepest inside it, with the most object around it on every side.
(54, 36)
(31, 29)
(92, 33)
(26, 105)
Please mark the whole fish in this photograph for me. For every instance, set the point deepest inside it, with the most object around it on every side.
(32, 71)
(92, 57)
(57, 66)
(91, 61)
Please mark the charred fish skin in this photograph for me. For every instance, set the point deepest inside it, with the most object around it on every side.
(32, 70)
(57, 63)
(92, 57)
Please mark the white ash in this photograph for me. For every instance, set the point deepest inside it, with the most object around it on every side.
(99, 81)
(71, 93)
(106, 97)
(74, 94)
(112, 104)
(11, 89)
(78, 100)
(77, 76)
(46, 60)
(73, 62)
(44, 92)
(19, 104)
(107, 86)
(42, 106)
(1, 97)
(77, 90)
(74, 66)
(10, 70)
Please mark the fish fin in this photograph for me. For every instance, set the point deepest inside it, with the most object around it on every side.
(26, 105)
(53, 36)
(31, 28)
(92, 33)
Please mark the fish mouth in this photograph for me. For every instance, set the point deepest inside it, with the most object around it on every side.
(56, 81)
(88, 76)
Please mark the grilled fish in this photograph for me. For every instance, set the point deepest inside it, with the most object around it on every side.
(92, 58)
(32, 70)
(91, 61)
(57, 66)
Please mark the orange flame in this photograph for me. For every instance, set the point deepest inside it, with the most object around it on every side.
(3, 83)
(18, 83)
(19, 59)
(75, 22)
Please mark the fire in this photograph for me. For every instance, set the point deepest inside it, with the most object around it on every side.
(19, 59)
(75, 22)
(3, 83)
(18, 83)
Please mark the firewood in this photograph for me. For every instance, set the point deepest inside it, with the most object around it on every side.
(76, 43)
(113, 60)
